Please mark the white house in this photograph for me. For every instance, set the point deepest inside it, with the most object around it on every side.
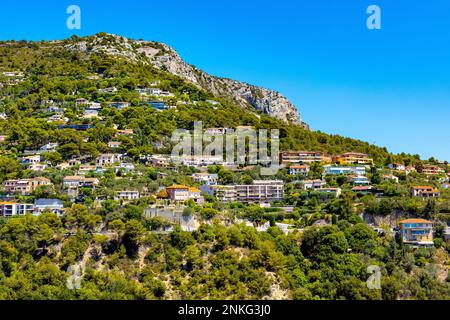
(126, 195)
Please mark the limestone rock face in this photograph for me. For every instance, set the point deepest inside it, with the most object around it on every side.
(164, 57)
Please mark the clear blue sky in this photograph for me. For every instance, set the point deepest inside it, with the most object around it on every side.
(390, 86)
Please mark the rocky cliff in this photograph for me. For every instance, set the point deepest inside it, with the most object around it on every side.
(164, 57)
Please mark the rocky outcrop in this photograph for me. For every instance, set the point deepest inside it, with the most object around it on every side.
(268, 101)
(164, 57)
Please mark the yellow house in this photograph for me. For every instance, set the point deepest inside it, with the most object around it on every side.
(352, 158)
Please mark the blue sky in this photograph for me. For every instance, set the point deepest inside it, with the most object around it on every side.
(390, 87)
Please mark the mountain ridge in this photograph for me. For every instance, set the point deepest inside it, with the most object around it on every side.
(166, 58)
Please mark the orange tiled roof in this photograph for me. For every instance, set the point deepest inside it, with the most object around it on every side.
(178, 186)
(415, 221)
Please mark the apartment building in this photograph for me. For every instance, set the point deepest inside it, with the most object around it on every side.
(9, 209)
(432, 170)
(287, 157)
(25, 186)
(312, 184)
(299, 170)
(425, 192)
(205, 178)
(260, 190)
(352, 158)
(337, 170)
(126, 195)
(417, 232)
(108, 158)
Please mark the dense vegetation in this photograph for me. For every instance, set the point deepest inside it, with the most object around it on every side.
(124, 254)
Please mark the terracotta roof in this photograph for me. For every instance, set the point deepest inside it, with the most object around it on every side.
(193, 190)
(415, 221)
(299, 167)
(423, 187)
(178, 186)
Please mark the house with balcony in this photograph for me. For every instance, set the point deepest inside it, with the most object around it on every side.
(119, 105)
(52, 205)
(25, 186)
(417, 232)
(425, 192)
(359, 180)
(390, 177)
(300, 157)
(260, 191)
(432, 170)
(108, 158)
(114, 144)
(298, 169)
(312, 184)
(205, 178)
(352, 158)
(10, 209)
(126, 195)
(344, 170)
(396, 166)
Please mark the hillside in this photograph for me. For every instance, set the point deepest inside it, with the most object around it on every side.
(165, 58)
(90, 196)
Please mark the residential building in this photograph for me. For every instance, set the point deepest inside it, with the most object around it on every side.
(336, 170)
(108, 158)
(299, 170)
(260, 190)
(178, 193)
(9, 209)
(89, 113)
(51, 146)
(31, 159)
(359, 180)
(87, 168)
(417, 232)
(215, 131)
(287, 157)
(109, 90)
(52, 205)
(312, 184)
(425, 192)
(126, 195)
(79, 181)
(195, 195)
(160, 161)
(37, 167)
(119, 105)
(447, 234)
(78, 127)
(205, 178)
(114, 144)
(221, 192)
(396, 166)
(124, 167)
(25, 186)
(352, 158)
(432, 170)
(362, 189)
(390, 177)
(81, 101)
